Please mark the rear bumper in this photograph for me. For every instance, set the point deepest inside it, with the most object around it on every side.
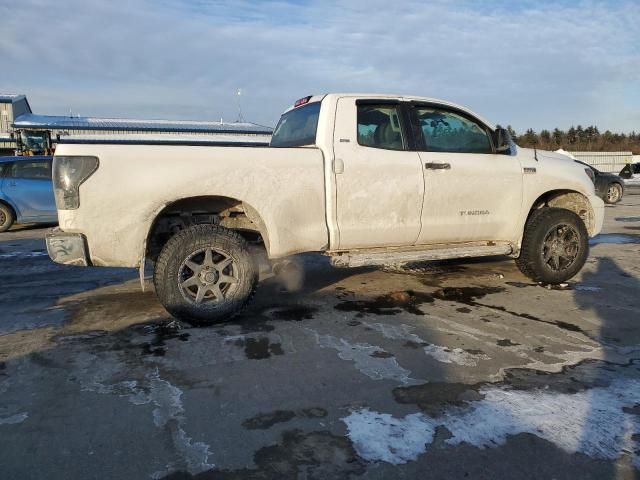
(67, 248)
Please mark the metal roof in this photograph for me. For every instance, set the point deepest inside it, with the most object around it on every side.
(10, 98)
(48, 122)
(167, 139)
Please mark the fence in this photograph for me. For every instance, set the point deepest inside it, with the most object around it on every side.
(611, 162)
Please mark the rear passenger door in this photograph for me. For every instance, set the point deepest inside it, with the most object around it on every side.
(379, 182)
(27, 185)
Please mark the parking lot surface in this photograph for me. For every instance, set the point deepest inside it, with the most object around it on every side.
(459, 369)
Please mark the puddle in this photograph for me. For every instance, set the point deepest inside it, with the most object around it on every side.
(615, 238)
(313, 455)
(390, 304)
(264, 421)
(466, 295)
(259, 348)
(163, 332)
(295, 313)
(627, 219)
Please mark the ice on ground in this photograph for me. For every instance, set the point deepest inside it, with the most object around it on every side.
(594, 422)
(14, 419)
(369, 359)
(437, 352)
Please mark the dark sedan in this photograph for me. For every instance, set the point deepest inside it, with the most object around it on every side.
(609, 186)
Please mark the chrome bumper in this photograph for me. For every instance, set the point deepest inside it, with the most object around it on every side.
(67, 248)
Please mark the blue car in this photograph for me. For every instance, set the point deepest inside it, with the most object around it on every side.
(26, 191)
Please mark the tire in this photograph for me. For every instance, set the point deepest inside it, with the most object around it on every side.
(205, 288)
(555, 246)
(6, 217)
(614, 193)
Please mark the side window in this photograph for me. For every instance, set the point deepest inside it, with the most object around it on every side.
(445, 131)
(379, 127)
(4, 169)
(38, 170)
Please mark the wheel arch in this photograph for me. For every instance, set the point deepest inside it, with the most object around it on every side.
(228, 212)
(13, 210)
(570, 200)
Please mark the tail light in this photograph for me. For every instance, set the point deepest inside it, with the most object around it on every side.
(68, 174)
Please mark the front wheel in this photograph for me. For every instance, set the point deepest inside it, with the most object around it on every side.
(205, 274)
(555, 246)
(614, 193)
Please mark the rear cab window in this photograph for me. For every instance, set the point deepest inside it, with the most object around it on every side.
(297, 127)
(379, 126)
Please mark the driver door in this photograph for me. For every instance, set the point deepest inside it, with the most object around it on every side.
(472, 193)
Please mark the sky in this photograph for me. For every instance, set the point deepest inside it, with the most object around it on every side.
(539, 64)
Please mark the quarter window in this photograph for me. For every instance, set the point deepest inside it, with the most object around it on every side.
(379, 127)
(39, 170)
(446, 131)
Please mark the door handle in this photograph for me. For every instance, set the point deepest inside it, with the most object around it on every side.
(437, 166)
(12, 184)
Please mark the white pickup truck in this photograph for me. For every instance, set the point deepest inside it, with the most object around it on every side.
(365, 179)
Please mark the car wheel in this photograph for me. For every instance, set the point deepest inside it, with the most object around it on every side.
(555, 246)
(6, 218)
(614, 193)
(205, 274)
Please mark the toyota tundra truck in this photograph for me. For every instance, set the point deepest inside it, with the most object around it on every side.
(363, 179)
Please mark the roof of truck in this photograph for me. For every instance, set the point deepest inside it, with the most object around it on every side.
(409, 98)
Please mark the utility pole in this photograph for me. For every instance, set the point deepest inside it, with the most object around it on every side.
(240, 117)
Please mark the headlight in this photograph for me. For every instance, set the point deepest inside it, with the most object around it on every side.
(590, 174)
(68, 174)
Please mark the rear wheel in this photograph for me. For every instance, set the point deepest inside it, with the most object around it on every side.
(614, 193)
(205, 274)
(555, 245)
(6, 218)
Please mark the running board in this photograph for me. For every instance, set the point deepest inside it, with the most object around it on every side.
(361, 258)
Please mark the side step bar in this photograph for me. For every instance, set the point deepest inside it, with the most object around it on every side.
(361, 258)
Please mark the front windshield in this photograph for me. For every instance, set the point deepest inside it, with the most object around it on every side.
(297, 127)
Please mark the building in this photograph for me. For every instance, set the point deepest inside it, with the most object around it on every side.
(23, 131)
(11, 106)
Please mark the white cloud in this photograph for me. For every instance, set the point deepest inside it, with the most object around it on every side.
(538, 64)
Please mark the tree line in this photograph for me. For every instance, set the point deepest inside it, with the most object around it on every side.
(578, 139)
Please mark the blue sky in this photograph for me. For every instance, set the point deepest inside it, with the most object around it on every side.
(525, 63)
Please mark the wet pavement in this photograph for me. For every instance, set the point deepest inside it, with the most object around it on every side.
(460, 369)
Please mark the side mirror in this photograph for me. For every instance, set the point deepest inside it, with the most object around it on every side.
(502, 139)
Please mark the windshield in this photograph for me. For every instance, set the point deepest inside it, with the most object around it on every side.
(297, 127)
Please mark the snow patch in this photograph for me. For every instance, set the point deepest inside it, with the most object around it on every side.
(592, 422)
(379, 436)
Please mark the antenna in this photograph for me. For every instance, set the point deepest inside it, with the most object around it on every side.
(240, 117)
